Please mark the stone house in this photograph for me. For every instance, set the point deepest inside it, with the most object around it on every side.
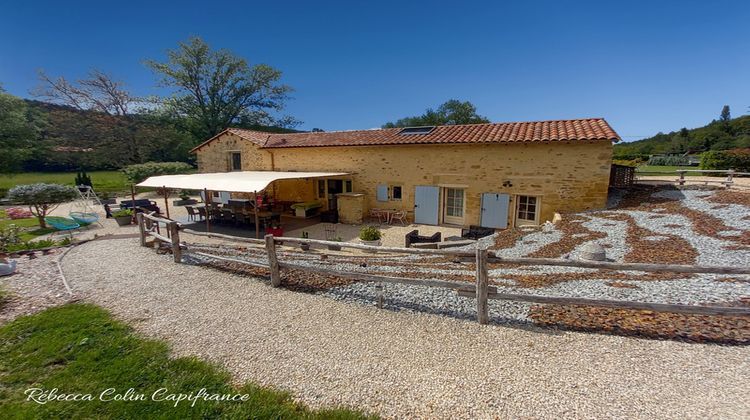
(494, 175)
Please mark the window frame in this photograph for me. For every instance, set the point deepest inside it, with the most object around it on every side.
(391, 189)
(522, 206)
(232, 154)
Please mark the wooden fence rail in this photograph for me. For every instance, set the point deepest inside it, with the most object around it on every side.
(728, 182)
(481, 290)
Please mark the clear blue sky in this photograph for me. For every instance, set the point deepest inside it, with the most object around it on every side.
(645, 66)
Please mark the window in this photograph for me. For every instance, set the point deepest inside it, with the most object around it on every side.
(348, 186)
(527, 208)
(454, 202)
(396, 192)
(321, 188)
(410, 131)
(235, 159)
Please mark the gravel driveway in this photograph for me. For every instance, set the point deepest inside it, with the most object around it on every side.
(404, 364)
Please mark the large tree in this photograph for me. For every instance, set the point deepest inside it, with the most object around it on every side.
(451, 112)
(112, 104)
(215, 88)
(19, 130)
(97, 92)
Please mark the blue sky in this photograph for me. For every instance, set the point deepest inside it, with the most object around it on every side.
(644, 66)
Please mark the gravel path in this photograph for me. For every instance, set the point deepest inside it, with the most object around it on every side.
(35, 286)
(404, 364)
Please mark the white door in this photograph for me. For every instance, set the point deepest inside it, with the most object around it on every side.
(495, 210)
(454, 206)
(426, 204)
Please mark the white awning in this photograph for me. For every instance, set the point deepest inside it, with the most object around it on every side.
(245, 181)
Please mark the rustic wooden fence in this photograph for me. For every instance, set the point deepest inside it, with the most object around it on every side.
(681, 179)
(480, 290)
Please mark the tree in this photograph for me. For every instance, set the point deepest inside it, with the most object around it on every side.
(138, 173)
(215, 88)
(19, 128)
(451, 112)
(42, 198)
(99, 92)
(725, 114)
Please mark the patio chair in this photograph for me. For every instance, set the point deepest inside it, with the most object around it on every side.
(378, 214)
(400, 216)
(201, 212)
(191, 212)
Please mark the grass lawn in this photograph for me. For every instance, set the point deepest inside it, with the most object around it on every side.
(111, 181)
(650, 168)
(80, 349)
(29, 227)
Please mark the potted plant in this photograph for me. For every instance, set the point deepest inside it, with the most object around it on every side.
(184, 199)
(370, 235)
(335, 247)
(123, 217)
(305, 246)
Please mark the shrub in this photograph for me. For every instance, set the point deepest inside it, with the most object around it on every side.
(42, 198)
(123, 213)
(370, 233)
(141, 171)
(82, 178)
(9, 237)
(737, 159)
(14, 213)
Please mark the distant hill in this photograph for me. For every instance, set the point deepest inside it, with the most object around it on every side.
(717, 135)
(40, 136)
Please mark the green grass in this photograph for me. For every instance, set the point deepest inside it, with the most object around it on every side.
(79, 348)
(650, 168)
(29, 227)
(110, 181)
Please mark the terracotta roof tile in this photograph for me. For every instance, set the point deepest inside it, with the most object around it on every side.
(590, 129)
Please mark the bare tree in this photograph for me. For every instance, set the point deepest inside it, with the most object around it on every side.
(98, 92)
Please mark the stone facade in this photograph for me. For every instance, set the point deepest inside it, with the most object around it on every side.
(564, 176)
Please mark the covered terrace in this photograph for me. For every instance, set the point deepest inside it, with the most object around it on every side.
(250, 201)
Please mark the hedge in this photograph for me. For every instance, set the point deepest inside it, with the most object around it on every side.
(737, 159)
(141, 171)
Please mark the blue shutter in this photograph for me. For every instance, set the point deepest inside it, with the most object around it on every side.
(382, 193)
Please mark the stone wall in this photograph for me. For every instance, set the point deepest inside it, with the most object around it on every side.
(565, 176)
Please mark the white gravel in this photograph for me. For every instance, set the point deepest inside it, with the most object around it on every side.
(405, 364)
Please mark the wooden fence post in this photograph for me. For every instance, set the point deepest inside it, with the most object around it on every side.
(175, 237)
(483, 310)
(730, 178)
(141, 227)
(273, 262)
(682, 177)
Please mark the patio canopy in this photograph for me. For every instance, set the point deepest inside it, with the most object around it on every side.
(245, 181)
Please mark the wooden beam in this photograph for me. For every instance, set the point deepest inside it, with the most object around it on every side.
(257, 218)
(273, 262)
(672, 268)
(159, 237)
(207, 203)
(229, 259)
(377, 278)
(483, 311)
(141, 228)
(222, 236)
(174, 234)
(438, 252)
(166, 200)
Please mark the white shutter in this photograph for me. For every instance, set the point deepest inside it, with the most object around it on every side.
(382, 192)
